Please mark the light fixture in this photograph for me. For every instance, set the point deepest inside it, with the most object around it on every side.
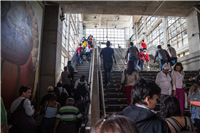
(95, 26)
(62, 17)
(95, 17)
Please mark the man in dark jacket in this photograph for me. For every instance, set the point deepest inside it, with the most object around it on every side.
(144, 99)
(70, 69)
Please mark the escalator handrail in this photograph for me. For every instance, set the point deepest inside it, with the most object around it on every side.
(101, 86)
(90, 77)
(91, 74)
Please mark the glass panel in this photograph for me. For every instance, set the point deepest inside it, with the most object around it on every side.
(179, 44)
(185, 41)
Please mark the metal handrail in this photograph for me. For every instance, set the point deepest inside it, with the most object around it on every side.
(90, 77)
(91, 64)
(101, 79)
(92, 74)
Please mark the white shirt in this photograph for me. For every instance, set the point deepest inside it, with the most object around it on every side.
(164, 82)
(61, 89)
(177, 79)
(141, 106)
(87, 49)
(27, 105)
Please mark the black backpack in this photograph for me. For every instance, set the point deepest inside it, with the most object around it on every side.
(81, 89)
(71, 69)
(82, 51)
(63, 97)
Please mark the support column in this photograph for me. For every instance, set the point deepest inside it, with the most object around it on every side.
(69, 24)
(51, 49)
(145, 30)
(193, 27)
(165, 33)
(192, 61)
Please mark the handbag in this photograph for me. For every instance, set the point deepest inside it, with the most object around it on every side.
(22, 121)
(123, 85)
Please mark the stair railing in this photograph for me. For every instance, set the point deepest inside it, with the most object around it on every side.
(101, 84)
(91, 84)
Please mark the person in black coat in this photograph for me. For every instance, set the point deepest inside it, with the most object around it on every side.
(70, 69)
(144, 99)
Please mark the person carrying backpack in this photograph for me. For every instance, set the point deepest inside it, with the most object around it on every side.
(70, 69)
(194, 101)
(22, 111)
(174, 118)
(63, 94)
(81, 86)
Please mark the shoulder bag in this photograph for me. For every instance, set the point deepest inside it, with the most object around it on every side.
(22, 121)
(123, 85)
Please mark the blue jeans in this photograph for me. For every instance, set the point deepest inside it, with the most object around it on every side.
(162, 62)
(107, 68)
(173, 60)
(138, 65)
(47, 125)
(88, 55)
(141, 64)
(134, 59)
(80, 58)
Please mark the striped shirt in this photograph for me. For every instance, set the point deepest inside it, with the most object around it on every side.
(68, 113)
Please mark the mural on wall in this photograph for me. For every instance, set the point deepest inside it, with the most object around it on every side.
(21, 24)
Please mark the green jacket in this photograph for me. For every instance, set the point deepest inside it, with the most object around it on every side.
(3, 113)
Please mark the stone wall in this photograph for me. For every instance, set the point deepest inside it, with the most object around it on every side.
(191, 61)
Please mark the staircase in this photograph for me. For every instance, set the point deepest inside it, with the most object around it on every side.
(115, 100)
(83, 69)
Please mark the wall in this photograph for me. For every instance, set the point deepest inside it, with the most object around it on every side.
(51, 49)
(193, 26)
(20, 46)
(192, 61)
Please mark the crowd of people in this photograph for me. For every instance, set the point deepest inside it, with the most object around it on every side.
(142, 94)
(62, 109)
(138, 56)
(84, 49)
